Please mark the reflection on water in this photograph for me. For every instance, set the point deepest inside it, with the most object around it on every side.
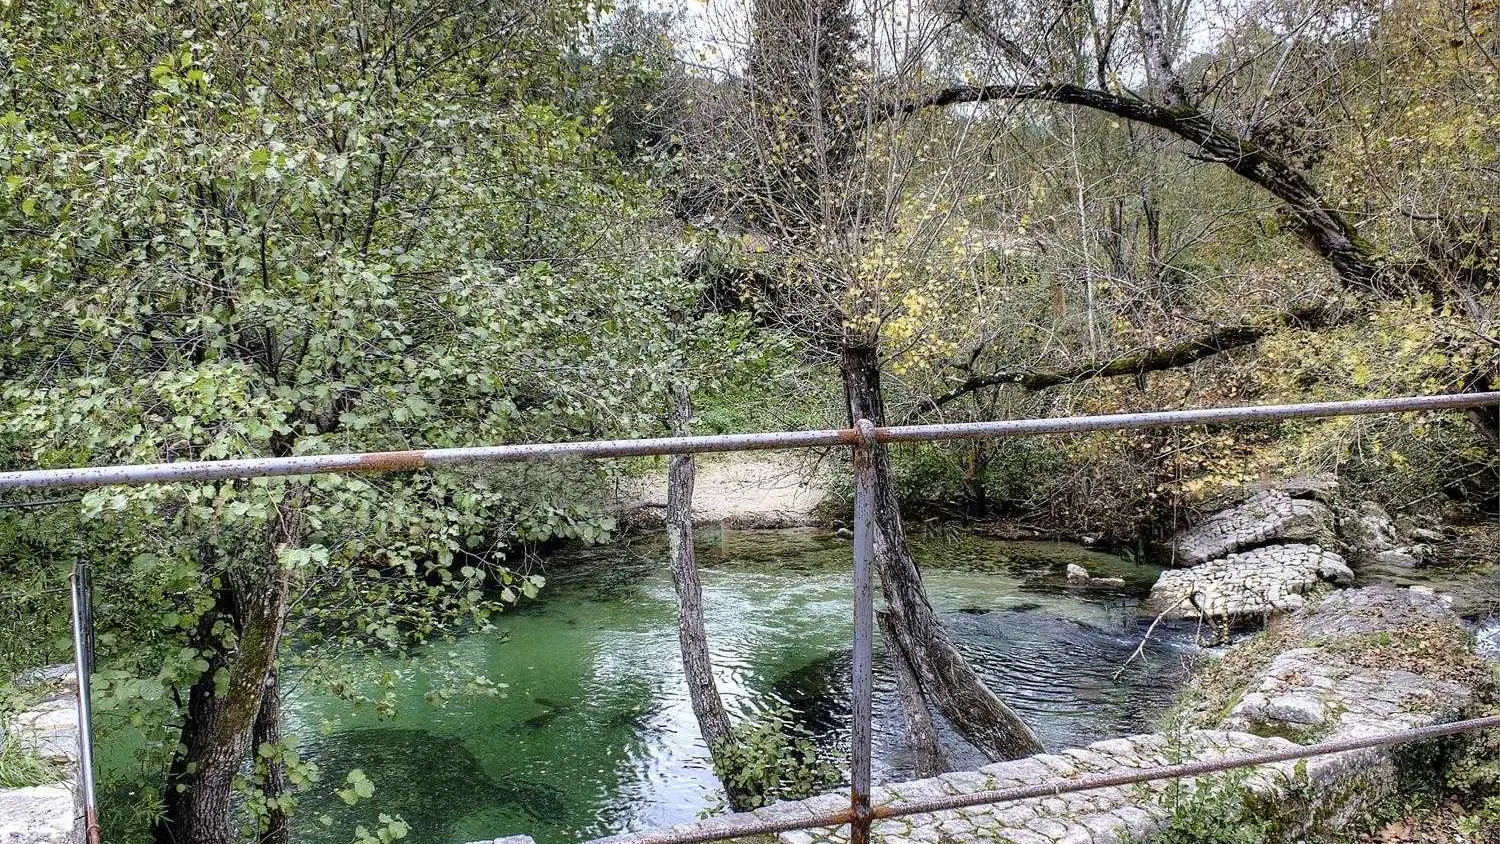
(595, 734)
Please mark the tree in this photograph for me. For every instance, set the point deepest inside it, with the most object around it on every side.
(1273, 67)
(270, 229)
(775, 155)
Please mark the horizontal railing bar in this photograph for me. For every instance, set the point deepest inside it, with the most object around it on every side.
(1172, 418)
(724, 831)
(401, 461)
(396, 461)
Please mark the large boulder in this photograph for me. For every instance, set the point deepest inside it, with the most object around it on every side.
(1252, 584)
(1368, 531)
(1273, 515)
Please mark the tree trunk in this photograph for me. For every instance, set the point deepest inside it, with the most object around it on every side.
(239, 636)
(921, 733)
(697, 666)
(976, 479)
(947, 680)
(272, 769)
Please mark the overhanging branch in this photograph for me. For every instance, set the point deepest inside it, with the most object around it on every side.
(1154, 359)
(1329, 234)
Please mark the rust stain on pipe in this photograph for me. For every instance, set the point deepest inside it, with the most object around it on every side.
(390, 461)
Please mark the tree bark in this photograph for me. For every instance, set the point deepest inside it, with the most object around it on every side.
(1158, 58)
(1158, 358)
(239, 636)
(946, 679)
(272, 769)
(692, 637)
(921, 733)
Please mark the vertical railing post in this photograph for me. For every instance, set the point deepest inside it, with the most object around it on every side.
(83, 666)
(864, 631)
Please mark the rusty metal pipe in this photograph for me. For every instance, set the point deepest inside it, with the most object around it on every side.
(863, 681)
(392, 461)
(83, 661)
(1170, 418)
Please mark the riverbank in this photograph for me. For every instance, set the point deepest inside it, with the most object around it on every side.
(739, 490)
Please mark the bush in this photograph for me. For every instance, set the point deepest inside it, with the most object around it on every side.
(769, 758)
(1213, 810)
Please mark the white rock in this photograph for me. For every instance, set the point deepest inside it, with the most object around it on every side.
(43, 814)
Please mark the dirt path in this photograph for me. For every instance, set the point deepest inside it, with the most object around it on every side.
(740, 490)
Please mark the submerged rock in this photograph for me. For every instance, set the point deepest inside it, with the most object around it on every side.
(429, 779)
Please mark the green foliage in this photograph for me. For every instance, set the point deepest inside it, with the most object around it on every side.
(1211, 810)
(250, 229)
(19, 767)
(768, 758)
(1473, 778)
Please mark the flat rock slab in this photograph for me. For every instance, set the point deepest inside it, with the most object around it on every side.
(51, 813)
(1269, 516)
(44, 814)
(49, 730)
(1256, 583)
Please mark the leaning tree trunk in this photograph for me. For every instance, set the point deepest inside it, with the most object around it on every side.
(217, 730)
(697, 666)
(921, 734)
(947, 680)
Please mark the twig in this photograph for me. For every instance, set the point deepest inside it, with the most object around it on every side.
(1141, 648)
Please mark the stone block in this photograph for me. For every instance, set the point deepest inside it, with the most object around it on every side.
(46, 814)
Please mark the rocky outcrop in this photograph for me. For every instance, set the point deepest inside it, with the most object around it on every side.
(1336, 678)
(1342, 681)
(1262, 554)
(1367, 529)
(1253, 584)
(49, 813)
(1272, 515)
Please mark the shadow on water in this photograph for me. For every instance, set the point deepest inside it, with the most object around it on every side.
(428, 780)
(595, 733)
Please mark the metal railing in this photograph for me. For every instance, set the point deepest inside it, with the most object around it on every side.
(861, 439)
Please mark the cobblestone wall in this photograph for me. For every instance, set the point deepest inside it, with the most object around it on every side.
(50, 813)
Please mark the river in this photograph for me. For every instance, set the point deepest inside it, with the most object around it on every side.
(594, 733)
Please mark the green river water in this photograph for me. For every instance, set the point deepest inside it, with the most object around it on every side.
(594, 734)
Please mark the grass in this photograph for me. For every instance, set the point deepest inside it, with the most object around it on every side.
(19, 767)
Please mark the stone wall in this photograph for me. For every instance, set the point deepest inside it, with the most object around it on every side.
(50, 813)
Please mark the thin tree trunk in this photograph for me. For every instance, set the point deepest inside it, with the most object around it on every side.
(273, 769)
(921, 733)
(217, 731)
(697, 666)
(947, 680)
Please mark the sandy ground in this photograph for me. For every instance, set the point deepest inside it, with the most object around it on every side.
(740, 490)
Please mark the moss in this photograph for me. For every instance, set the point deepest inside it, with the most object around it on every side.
(1212, 692)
